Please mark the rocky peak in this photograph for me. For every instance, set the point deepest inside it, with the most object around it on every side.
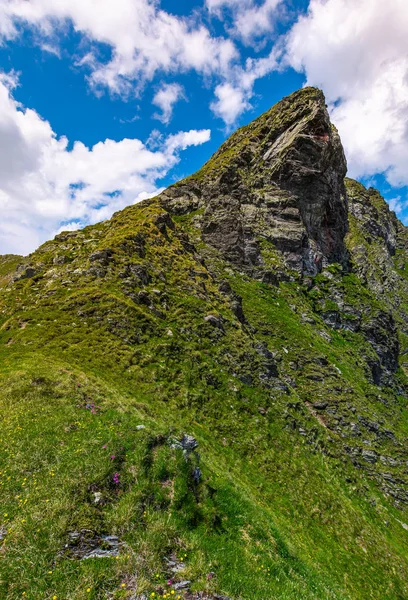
(278, 182)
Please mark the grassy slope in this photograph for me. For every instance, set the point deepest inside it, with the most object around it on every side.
(277, 514)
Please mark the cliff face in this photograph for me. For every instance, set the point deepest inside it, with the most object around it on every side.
(259, 309)
(281, 180)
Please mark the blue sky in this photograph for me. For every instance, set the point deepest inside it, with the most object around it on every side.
(103, 104)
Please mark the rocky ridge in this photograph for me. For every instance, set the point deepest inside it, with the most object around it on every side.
(279, 180)
(260, 304)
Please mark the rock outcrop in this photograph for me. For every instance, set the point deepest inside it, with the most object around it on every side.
(279, 182)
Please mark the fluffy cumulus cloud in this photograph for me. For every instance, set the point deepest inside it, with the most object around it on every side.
(143, 38)
(146, 41)
(252, 23)
(357, 51)
(216, 5)
(233, 96)
(43, 184)
(165, 98)
(251, 20)
(397, 204)
(230, 103)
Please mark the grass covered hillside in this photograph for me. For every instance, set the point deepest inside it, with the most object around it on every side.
(206, 396)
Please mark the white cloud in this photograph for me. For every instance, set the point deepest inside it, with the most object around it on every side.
(256, 68)
(184, 139)
(43, 184)
(143, 38)
(216, 5)
(233, 96)
(165, 99)
(230, 104)
(252, 23)
(396, 204)
(251, 20)
(146, 41)
(256, 21)
(399, 205)
(357, 51)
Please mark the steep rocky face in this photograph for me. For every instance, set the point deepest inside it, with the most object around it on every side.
(378, 244)
(278, 182)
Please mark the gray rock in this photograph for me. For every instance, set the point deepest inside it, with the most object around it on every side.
(320, 405)
(197, 475)
(140, 273)
(325, 335)
(269, 366)
(389, 460)
(381, 332)
(181, 585)
(246, 379)
(307, 319)
(284, 187)
(60, 259)
(143, 298)
(86, 544)
(96, 271)
(173, 564)
(97, 497)
(24, 273)
(332, 319)
(236, 307)
(188, 442)
(355, 429)
(163, 222)
(101, 256)
(370, 456)
(214, 321)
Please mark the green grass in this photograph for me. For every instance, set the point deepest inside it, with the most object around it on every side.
(268, 530)
(271, 517)
(284, 509)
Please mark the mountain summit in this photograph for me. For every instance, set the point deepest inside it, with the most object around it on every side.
(280, 179)
(206, 396)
